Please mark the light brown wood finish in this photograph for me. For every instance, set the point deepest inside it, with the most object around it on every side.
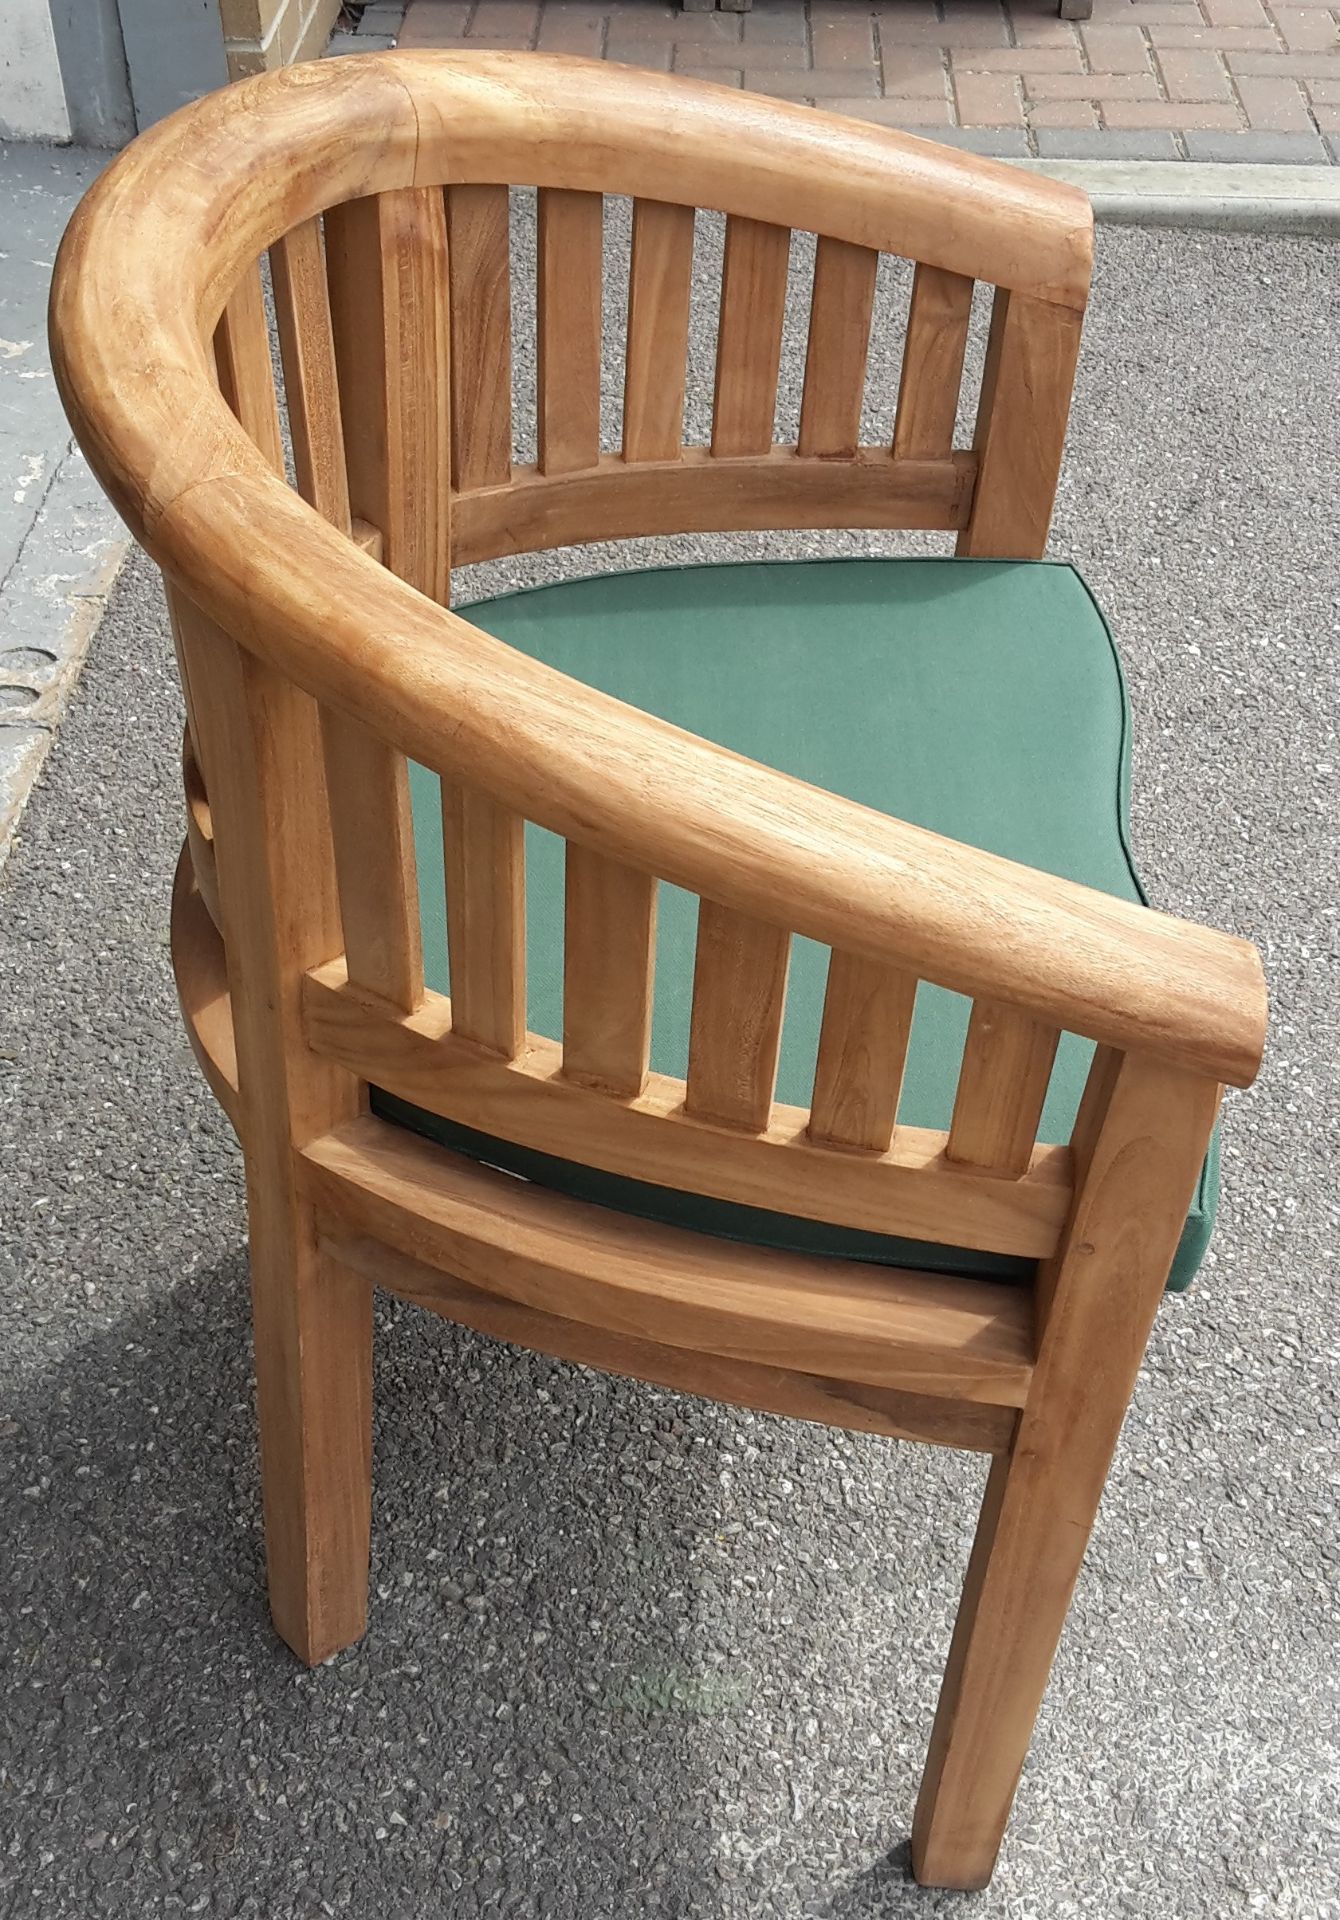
(925, 1333)
(569, 279)
(839, 339)
(609, 956)
(971, 1424)
(749, 336)
(735, 1034)
(311, 384)
(1007, 1064)
(1106, 1282)
(932, 371)
(701, 493)
(245, 375)
(200, 831)
(659, 280)
(484, 853)
(373, 828)
(1021, 423)
(387, 271)
(386, 259)
(478, 226)
(862, 1051)
(201, 973)
(261, 760)
(279, 610)
(912, 1190)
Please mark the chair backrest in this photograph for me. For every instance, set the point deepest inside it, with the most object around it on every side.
(379, 189)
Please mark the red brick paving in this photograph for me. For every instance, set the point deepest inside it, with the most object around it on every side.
(1142, 79)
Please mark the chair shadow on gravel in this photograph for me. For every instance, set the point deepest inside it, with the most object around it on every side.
(516, 1732)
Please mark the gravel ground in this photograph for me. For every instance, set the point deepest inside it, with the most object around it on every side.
(630, 1653)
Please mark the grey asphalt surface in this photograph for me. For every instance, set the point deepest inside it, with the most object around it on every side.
(633, 1654)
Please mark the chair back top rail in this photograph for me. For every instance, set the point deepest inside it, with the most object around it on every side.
(167, 235)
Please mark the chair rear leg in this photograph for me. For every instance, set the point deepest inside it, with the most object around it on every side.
(313, 1333)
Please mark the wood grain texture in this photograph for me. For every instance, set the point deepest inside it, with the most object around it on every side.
(735, 1033)
(260, 755)
(912, 1190)
(386, 259)
(932, 370)
(923, 1333)
(245, 373)
(699, 493)
(609, 954)
(1022, 415)
(311, 382)
(659, 281)
(568, 322)
(484, 854)
(1003, 1080)
(896, 1415)
(1108, 1278)
(478, 227)
(193, 204)
(839, 340)
(200, 831)
(373, 838)
(858, 1075)
(749, 337)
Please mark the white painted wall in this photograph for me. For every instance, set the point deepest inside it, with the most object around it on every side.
(32, 98)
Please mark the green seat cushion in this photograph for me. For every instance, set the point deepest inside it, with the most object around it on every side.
(982, 699)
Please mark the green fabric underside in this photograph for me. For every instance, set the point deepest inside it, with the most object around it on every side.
(981, 699)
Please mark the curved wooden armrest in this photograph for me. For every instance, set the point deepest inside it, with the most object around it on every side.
(598, 772)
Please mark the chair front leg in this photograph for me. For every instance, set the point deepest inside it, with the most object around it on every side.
(1139, 1143)
(313, 1334)
(1022, 1570)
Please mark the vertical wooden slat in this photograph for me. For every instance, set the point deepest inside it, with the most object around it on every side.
(862, 1052)
(246, 374)
(608, 962)
(571, 241)
(749, 336)
(659, 282)
(311, 387)
(484, 851)
(368, 783)
(840, 309)
(481, 337)
(739, 994)
(1021, 422)
(937, 338)
(1007, 1065)
(386, 259)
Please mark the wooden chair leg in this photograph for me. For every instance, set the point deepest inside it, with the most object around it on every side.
(1139, 1142)
(313, 1330)
(1021, 1573)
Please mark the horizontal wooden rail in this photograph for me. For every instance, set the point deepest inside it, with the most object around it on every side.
(889, 1411)
(912, 1190)
(703, 493)
(920, 1332)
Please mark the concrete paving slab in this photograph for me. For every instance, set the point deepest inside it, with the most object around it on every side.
(60, 541)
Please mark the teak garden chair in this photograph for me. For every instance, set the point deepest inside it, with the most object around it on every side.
(950, 1221)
